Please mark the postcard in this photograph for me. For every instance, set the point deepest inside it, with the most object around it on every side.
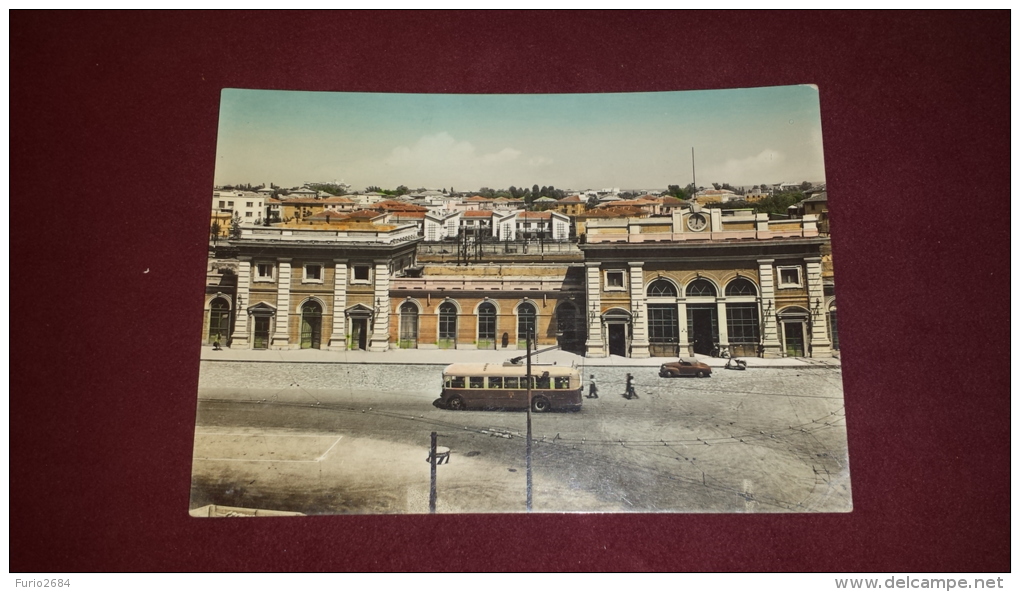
(422, 303)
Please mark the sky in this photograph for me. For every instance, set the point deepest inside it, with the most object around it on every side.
(568, 141)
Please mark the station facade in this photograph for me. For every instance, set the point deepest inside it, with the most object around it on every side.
(694, 282)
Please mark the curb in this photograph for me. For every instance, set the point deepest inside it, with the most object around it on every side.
(814, 365)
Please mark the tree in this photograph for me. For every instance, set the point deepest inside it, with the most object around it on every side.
(679, 192)
(593, 202)
(805, 185)
(373, 189)
(330, 188)
(402, 190)
(235, 226)
(214, 231)
(778, 202)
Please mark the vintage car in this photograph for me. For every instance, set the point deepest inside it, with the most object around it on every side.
(685, 367)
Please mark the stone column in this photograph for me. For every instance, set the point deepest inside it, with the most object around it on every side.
(239, 338)
(380, 340)
(338, 337)
(639, 320)
(281, 337)
(820, 345)
(724, 333)
(595, 345)
(770, 330)
(681, 317)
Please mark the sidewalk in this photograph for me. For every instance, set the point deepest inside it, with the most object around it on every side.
(442, 357)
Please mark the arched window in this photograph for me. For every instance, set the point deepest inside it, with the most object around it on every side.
(311, 325)
(219, 320)
(526, 315)
(408, 325)
(700, 288)
(486, 326)
(741, 287)
(447, 325)
(661, 288)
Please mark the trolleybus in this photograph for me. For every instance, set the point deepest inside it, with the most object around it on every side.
(505, 386)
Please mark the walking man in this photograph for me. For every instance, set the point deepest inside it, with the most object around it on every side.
(593, 389)
(630, 393)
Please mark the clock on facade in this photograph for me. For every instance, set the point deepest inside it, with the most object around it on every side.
(696, 222)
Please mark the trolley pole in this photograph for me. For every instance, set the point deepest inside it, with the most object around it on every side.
(528, 453)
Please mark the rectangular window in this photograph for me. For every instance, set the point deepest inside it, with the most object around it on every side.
(511, 382)
(476, 382)
(614, 280)
(742, 324)
(223, 204)
(455, 382)
(264, 272)
(247, 214)
(663, 323)
(251, 204)
(230, 204)
(562, 382)
(361, 274)
(495, 382)
(313, 273)
(789, 277)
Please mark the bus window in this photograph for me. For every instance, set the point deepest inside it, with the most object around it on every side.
(495, 382)
(562, 382)
(511, 382)
(476, 382)
(543, 381)
(456, 382)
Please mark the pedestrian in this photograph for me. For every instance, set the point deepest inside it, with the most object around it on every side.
(630, 393)
(593, 389)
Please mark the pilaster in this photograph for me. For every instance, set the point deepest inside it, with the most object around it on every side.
(380, 340)
(239, 338)
(724, 332)
(681, 318)
(281, 337)
(769, 328)
(639, 320)
(820, 345)
(595, 345)
(338, 336)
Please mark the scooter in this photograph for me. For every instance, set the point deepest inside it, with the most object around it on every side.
(735, 364)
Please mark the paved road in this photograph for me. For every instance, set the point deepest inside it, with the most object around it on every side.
(351, 438)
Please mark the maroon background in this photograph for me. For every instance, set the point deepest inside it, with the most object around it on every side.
(113, 134)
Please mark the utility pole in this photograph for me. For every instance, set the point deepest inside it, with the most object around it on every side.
(432, 474)
(528, 452)
(694, 175)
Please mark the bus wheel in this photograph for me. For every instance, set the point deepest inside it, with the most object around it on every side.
(540, 404)
(455, 403)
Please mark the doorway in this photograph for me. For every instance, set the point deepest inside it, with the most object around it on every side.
(408, 326)
(618, 339)
(359, 333)
(260, 335)
(703, 327)
(311, 325)
(793, 338)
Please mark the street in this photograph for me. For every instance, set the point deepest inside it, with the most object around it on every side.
(353, 438)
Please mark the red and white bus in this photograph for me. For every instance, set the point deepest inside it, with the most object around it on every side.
(505, 386)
